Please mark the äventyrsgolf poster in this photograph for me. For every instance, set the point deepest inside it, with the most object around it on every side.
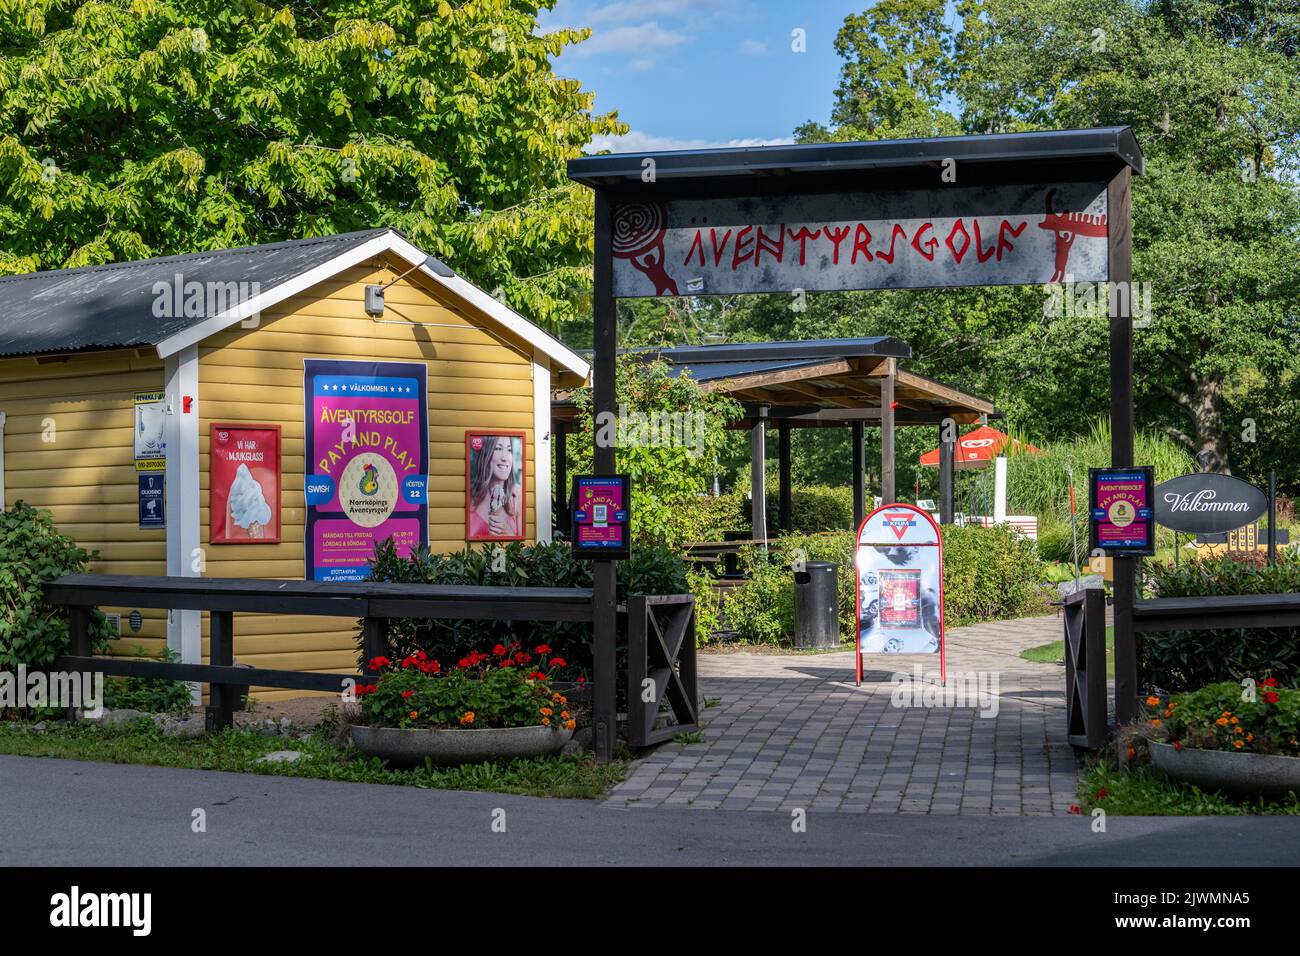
(367, 463)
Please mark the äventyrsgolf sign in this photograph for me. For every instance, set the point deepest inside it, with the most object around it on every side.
(1207, 503)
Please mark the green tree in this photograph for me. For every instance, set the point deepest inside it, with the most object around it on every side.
(669, 432)
(151, 127)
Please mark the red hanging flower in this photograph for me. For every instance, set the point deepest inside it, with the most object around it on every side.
(1269, 682)
(1270, 697)
(379, 663)
(499, 650)
(558, 662)
(542, 649)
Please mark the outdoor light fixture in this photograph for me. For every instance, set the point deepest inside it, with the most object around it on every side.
(375, 293)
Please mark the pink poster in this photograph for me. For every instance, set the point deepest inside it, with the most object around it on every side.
(367, 462)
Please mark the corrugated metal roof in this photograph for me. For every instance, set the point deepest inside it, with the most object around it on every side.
(1104, 144)
(113, 305)
(713, 371)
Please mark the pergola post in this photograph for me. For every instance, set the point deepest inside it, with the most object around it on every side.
(1120, 271)
(859, 479)
(947, 450)
(785, 498)
(604, 582)
(888, 477)
(758, 475)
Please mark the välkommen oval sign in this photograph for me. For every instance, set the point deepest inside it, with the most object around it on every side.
(1207, 503)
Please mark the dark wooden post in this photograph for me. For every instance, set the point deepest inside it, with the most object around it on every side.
(758, 475)
(888, 477)
(79, 646)
(1272, 517)
(786, 501)
(221, 653)
(604, 582)
(947, 452)
(374, 642)
(560, 439)
(859, 481)
(1120, 269)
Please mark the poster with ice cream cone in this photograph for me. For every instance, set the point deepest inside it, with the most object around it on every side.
(244, 484)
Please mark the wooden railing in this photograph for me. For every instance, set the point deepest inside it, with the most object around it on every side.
(1085, 642)
(661, 667)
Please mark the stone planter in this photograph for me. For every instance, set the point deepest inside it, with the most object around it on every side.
(454, 747)
(1241, 774)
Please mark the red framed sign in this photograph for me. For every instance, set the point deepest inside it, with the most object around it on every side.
(899, 562)
(496, 473)
(244, 484)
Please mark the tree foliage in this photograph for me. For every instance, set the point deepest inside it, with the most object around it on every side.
(134, 128)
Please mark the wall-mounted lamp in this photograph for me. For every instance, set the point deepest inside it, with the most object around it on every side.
(375, 293)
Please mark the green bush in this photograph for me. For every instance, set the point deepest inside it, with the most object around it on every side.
(989, 574)
(1187, 660)
(151, 695)
(33, 552)
(651, 570)
(813, 508)
(1220, 717)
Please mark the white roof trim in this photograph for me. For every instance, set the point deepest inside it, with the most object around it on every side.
(391, 242)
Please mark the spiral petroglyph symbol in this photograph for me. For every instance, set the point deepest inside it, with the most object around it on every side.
(638, 236)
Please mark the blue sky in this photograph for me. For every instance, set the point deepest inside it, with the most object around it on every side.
(696, 73)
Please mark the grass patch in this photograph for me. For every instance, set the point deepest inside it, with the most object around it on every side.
(1054, 652)
(1147, 792)
(237, 750)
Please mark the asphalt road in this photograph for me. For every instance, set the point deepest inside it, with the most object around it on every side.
(70, 813)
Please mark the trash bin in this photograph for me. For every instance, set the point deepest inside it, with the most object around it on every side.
(816, 606)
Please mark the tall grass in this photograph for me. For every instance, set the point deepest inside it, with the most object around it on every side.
(1038, 484)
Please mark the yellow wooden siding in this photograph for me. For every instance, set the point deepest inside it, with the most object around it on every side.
(255, 376)
(86, 474)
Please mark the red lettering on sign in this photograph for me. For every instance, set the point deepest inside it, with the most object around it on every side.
(889, 256)
(836, 235)
(696, 243)
(958, 227)
(736, 256)
(979, 246)
(775, 247)
(801, 236)
(1003, 243)
(719, 251)
(931, 244)
(861, 237)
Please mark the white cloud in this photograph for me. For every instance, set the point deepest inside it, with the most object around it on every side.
(638, 142)
(625, 10)
(753, 47)
(634, 39)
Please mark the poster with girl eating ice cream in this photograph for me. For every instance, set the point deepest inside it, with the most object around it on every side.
(245, 484)
(494, 486)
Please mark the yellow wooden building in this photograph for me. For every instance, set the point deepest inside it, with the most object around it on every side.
(222, 338)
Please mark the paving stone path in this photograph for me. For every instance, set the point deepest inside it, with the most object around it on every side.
(790, 731)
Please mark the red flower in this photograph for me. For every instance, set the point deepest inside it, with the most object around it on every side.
(1270, 682)
(582, 680)
(379, 663)
(1270, 697)
(523, 657)
(558, 662)
(421, 656)
(1178, 745)
(499, 650)
(1102, 794)
(1075, 808)
(362, 690)
(542, 649)
(407, 693)
(537, 675)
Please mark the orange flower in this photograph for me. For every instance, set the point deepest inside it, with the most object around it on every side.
(1155, 721)
(564, 714)
(1236, 720)
(413, 714)
(1227, 713)
(1131, 752)
(1153, 701)
(1222, 721)
(1250, 738)
(546, 721)
(1238, 744)
(1236, 730)
(571, 724)
(467, 718)
(546, 711)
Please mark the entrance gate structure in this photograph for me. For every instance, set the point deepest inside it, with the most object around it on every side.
(1000, 209)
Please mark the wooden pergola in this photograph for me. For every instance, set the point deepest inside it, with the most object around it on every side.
(822, 383)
